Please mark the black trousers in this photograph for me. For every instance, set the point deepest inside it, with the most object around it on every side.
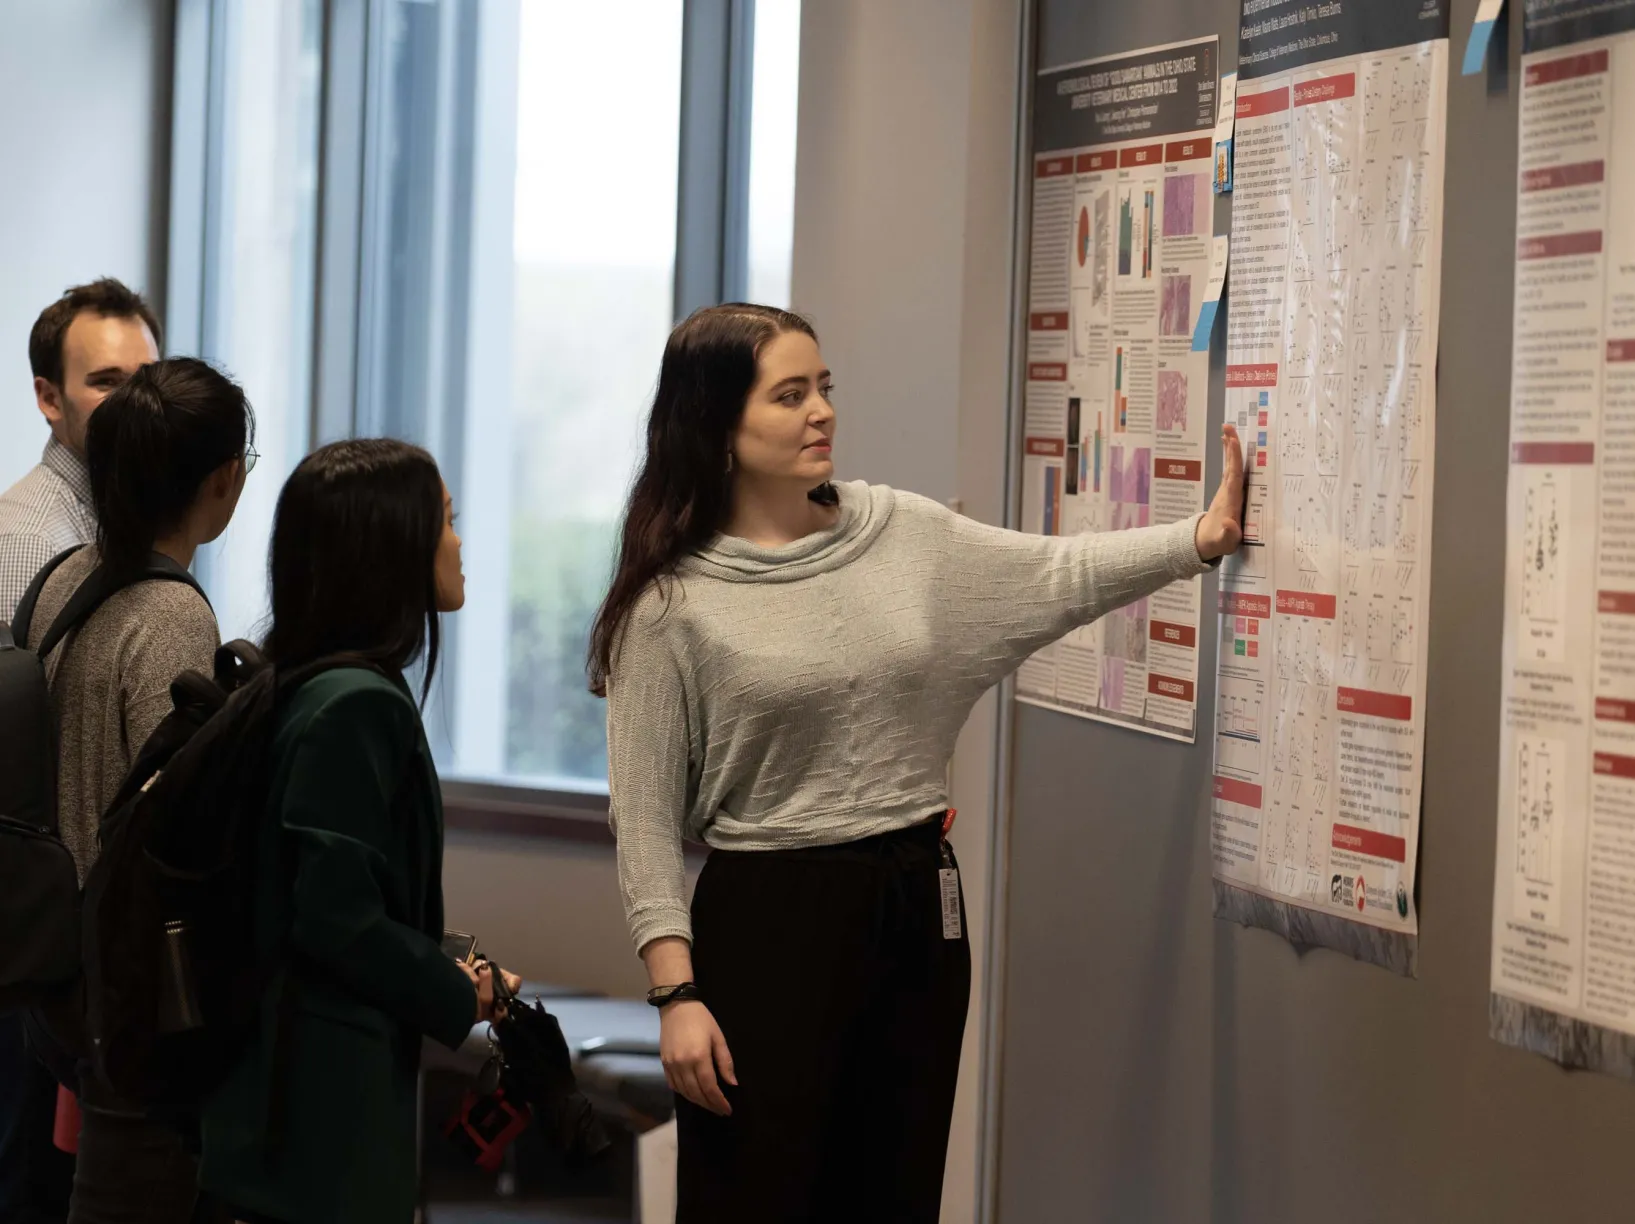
(132, 1170)
(844, 1007)
(34, 1176)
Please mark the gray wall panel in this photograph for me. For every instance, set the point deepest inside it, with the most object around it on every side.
(1162, 1066)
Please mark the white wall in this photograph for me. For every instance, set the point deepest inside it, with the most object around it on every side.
(548, 910)
(85, 96)
(903, 205)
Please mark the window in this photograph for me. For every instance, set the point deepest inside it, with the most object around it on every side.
(517, 200)
(594, 251)
(776, 90)
(244, 225)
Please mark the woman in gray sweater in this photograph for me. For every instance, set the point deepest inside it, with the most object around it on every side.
(788, 663)
(167, 453)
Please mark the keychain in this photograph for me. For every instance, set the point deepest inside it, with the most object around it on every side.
(528, 1075)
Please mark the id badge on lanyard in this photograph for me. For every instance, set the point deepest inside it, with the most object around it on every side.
(948, 884)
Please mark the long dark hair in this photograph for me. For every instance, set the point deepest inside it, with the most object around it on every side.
(151, 445)
(683, 493)
(353, 562)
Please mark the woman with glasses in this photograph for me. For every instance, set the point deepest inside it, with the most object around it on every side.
(167, 454)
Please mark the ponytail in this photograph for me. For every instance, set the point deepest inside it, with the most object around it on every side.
(151, 445)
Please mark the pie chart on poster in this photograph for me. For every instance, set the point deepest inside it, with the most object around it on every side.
(1084, 235)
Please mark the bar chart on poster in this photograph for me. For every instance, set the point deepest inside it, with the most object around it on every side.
(1339, 150)
(1563, 969)
(1115, 406)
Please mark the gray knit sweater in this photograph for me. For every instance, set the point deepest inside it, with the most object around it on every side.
(110, 684)
(811, 694)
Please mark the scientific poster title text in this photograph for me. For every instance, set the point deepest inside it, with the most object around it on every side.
(1155, 80)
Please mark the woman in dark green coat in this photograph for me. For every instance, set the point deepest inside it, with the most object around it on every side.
(317, 1122)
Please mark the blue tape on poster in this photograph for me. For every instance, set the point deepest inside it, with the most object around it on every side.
(1206, 326)
(1481, 34)
(1476, 49)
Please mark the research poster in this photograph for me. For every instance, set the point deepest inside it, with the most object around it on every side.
(1563, 971)
(1331, 380)
(1116, 395)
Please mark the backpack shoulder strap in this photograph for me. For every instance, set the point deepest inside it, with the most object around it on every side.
(162, 569)
(23, 619)
(99, 587)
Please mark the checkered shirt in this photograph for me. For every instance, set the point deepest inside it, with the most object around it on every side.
(45, 512)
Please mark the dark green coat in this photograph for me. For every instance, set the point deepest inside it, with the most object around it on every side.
(364, 920)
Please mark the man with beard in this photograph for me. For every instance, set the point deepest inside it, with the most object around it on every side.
(83, 345)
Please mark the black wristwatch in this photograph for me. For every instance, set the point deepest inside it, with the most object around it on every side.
(661, 996)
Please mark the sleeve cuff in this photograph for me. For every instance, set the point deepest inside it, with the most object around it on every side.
(454, 1008)
(1183, 557)
(664, 923)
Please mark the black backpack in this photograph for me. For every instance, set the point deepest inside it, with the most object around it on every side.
(39, 890)
(172, 983)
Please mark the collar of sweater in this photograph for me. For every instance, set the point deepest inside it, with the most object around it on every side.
(864, 511)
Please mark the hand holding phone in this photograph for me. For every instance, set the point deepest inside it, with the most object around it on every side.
(482, 977)
(460, 947)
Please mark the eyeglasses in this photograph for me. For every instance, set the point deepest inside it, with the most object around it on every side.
(250, 456)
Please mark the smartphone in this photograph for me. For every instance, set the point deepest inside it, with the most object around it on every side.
(460, 947)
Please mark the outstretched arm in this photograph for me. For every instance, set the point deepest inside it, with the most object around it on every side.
(1006, 594)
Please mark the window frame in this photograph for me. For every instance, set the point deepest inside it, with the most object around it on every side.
(712, 256)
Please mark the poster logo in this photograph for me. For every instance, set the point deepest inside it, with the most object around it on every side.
(1402, 902)
(1347, 892)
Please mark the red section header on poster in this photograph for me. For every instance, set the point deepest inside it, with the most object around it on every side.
(1568, 69)
(1622, 603)
(1375, 705)
(1306, 603)
(1048, 320)
(1614, 766)
(1053, 167)
(1189, 150)
(1252, 375)
(1553, 452)
(1246, 605)
(1142, 155)
(1172, 635)
(1169, 686)
(1268, 103)
(1328, 89)
(1049, 448)
(1048, 371)
(1560, 246)
(1370, 842)
(1233, 791)
(1550, 178)
(1610, 709)
(1092, 163)
(1178, 469)
(1621, 350)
